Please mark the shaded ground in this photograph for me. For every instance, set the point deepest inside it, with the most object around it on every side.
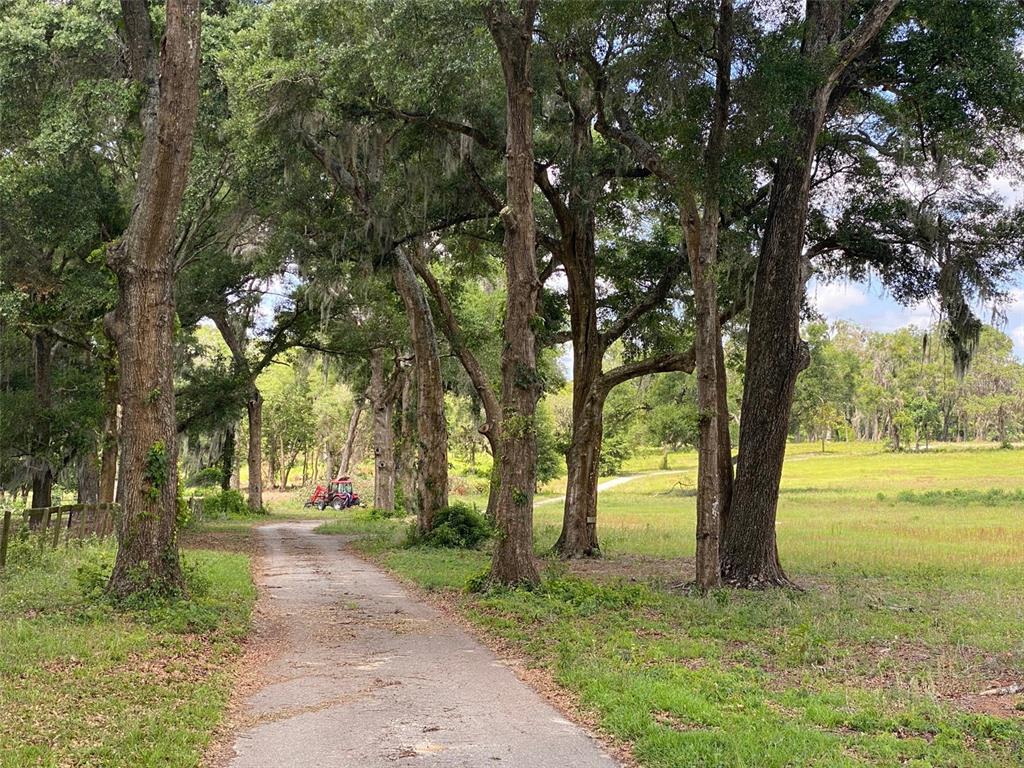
(364, 675)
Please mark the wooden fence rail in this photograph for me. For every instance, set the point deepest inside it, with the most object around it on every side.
(196, 508)
(50, 524)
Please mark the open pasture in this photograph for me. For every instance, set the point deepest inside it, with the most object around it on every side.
(854, 508)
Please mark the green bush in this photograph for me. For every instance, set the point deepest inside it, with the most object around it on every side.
(225, 504)
(458, 526)
(93, 571)
(615, 450)
(386, 514)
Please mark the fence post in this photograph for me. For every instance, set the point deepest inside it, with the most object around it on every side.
(80, 523)
(56, 529)
(45, 526)
(5, 535)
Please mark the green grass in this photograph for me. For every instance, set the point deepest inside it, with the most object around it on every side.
(913, 565)
(854, 508)
(83, 684)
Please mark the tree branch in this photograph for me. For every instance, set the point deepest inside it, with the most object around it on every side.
(453, 332)
(850, 47)
(669, 361)
(653, 299)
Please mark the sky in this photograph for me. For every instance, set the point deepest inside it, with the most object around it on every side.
(870, 306)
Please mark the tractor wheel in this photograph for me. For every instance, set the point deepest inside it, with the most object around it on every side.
(320, 505)
(338, 503)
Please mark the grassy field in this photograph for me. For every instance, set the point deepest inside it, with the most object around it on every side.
(854, 507)
(913, 566)
(83, 684)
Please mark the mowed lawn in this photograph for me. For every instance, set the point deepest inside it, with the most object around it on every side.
(913, 604)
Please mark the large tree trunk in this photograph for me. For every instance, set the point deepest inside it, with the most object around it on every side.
(775, 352)
(254, 455)
(702, 249)
(513, 561)
(42, 465)
(407, 451)
(253, 409)
(108, 453)
(383, 435)
(88, 471)
(431, 427)
(579, 519)
(491, 427)
(350, 439)
(707, 342)
(143, 321)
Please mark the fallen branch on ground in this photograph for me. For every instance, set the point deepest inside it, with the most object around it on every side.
(1004, 690)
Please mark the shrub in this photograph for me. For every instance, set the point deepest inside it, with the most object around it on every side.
(458, 526)
(93, 571)
(615, 450)
(228, 503)
(386, 514)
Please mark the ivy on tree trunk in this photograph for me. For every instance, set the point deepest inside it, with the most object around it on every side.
(142, 324)
(513, 561)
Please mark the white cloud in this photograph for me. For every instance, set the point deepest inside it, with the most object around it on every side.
(922, 314)
(834, 298)
(1015, 302)
(888, 316)
(1008, 188)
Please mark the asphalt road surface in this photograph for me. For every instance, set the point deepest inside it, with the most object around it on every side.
(365, 675)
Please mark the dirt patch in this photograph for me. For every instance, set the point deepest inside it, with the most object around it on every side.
(951, 677)
(235, 540)
(670, 720)
(658, 572)
(965, 692)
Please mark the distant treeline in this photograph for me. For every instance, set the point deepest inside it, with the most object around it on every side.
(901, 387)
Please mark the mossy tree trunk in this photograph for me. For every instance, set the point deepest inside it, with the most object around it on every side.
(513, 562)
(431, 454)
(142, 324)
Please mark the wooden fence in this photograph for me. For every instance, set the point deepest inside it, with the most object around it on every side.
(49, 525)
(196, 508)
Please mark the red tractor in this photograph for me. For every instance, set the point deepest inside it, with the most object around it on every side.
(338, 494)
